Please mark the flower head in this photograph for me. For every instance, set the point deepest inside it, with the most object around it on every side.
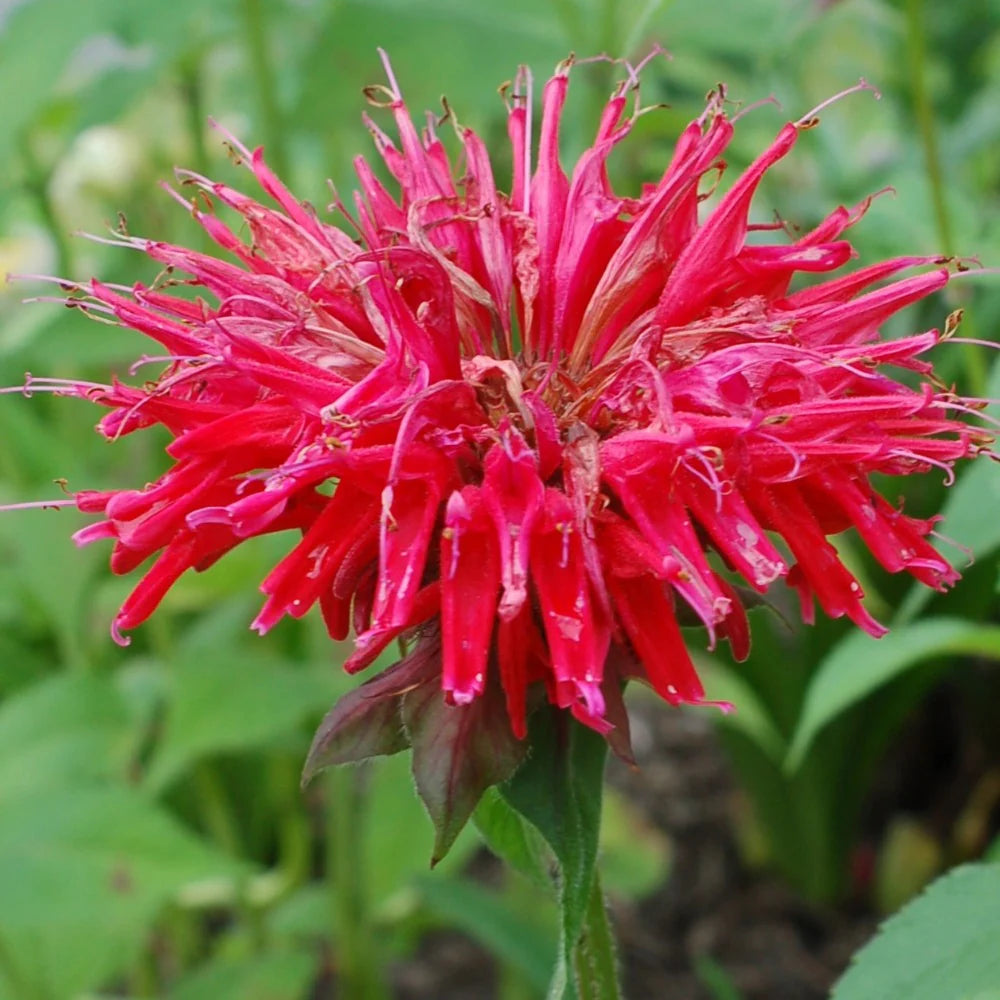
(512, 421)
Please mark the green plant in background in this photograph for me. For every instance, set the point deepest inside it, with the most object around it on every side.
(172, 770)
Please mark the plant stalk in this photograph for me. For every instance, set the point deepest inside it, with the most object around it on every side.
(594, 958)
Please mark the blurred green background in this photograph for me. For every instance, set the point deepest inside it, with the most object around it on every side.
(153, 838)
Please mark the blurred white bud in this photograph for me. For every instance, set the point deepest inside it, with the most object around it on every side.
(102, 162)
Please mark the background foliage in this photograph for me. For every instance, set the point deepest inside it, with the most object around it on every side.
(153, 838)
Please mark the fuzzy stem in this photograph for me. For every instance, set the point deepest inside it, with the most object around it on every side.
(595, 963)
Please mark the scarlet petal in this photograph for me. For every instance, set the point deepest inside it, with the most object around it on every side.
(512, 493)
(648, 618)
(734, 530)
(549, 189)
(522, 658)
(470, 582)
(735, 626)
(819, 566)
(578, 640)
(409, 510)
(307, 572)
(666, 525)
(694, 278)
(370, 644)
(894, 539)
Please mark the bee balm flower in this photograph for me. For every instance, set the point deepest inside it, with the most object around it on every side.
(513, 422)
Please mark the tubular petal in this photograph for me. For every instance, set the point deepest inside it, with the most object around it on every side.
(470, 582)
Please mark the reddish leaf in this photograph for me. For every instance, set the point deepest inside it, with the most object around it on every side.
(367, 722)
(458, 752)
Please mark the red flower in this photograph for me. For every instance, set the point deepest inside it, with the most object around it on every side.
(514, 426)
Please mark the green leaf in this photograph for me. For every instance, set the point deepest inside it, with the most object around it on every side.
(942, 946)
(508, 933)
(270, 976)
(458, 752)
(860, 664)
(83, 873)
(559, 790)
(230, 702)
(64, 730)
(512, 839)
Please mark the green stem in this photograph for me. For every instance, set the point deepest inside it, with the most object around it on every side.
(595, 964)
(263, 73)
(974, 361)
(358, 976)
